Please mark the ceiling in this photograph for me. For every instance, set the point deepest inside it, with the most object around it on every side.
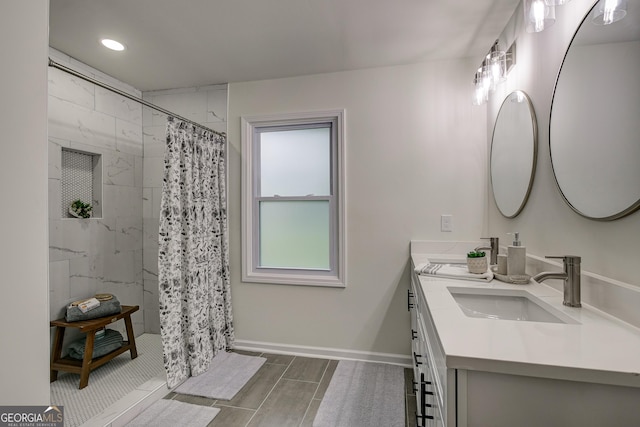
(185, 43)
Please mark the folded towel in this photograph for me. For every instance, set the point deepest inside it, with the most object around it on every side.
(453, 271)
(106, 308)
(112, 340)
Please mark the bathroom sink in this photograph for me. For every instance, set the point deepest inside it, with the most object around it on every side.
(506, 304)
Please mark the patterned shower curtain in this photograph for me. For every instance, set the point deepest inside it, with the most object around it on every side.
(193, 261)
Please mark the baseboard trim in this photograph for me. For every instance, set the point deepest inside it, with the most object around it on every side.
(323, 352)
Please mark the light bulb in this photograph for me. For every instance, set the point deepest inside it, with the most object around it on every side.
(609, 11)
(478, 96)
(480, 90)
(498, 66)
(612, 12)
(538, 15)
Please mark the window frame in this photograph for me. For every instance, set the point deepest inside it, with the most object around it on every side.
(251, 126)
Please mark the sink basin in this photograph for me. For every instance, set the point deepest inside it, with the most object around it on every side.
(506, 304)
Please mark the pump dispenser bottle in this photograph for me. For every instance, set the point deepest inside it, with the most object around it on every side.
(516, 257)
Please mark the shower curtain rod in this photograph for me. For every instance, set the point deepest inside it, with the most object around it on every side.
(73, 72)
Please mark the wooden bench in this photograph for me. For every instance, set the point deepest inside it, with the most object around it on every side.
(90, 327)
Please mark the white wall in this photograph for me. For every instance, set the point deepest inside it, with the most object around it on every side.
(547, 225)
(414, 150)
(24, 312)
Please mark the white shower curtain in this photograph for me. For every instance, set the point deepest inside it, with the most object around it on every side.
(193, 262)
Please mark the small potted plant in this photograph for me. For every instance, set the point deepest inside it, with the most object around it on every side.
(477, 262)
(79, 209)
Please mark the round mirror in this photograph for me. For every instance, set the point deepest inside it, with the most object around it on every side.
(514, 149)
(594, 130)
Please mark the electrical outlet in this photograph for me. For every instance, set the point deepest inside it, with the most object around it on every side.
(446, 222)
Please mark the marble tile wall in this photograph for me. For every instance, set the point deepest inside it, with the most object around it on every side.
(89, 256)
(205, 105)
(116, 253)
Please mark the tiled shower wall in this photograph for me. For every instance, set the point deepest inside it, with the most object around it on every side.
(117, 253)
(205, 105)
(89, 256)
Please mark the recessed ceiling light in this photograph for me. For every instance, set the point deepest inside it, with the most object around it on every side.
(112, 44)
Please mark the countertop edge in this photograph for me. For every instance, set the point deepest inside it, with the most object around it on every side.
(630, 379)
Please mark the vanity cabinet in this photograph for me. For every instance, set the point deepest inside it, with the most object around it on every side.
(476, 392)
(429, 371)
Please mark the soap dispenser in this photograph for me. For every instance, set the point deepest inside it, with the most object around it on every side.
(516, 257)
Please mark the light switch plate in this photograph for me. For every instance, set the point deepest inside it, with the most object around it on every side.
(446, 222)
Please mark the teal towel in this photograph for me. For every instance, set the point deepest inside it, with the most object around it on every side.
(111, 340)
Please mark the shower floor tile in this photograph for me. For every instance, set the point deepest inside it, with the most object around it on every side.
(113, 387)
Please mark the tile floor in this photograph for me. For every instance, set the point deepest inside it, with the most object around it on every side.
(286, 391)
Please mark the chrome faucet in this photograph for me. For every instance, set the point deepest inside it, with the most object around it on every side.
(494, 248)
(571, 277)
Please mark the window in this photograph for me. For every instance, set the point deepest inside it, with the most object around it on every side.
(293, 199)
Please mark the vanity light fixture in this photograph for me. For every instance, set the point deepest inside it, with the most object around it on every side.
(493, 71)
(483, 84)
(609, 11)
(538, 15)
(112, 44)
(497, 63)
(480, 91)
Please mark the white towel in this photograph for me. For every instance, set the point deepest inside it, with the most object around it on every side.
(453, 271)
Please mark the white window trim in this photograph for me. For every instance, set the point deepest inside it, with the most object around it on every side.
(292, 276)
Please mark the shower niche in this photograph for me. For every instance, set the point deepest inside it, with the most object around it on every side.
(81, 180)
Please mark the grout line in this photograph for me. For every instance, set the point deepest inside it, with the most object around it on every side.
(309, 381)
(302, 381)
(269, 394)
(314, 393)
(235, 407)
(321, 378)
(304, 417)
(276, 364)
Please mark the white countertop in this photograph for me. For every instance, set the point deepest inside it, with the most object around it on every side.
(599, 349)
